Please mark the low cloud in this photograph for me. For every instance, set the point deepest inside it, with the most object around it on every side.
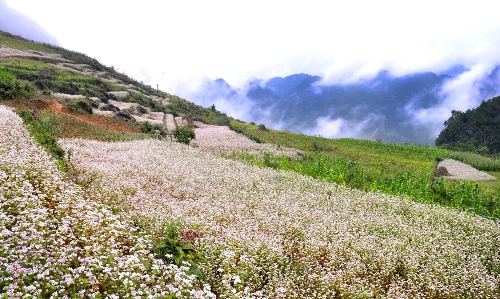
(233, 102)
(18, 24)
(463, 92)
(339, 128)
(328, 128)
(236, 104)
(419, 121)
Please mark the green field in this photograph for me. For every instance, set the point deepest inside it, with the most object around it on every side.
(406, 170)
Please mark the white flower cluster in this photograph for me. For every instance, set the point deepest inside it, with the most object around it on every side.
(56, 242)
(277, 234)
(222, 140)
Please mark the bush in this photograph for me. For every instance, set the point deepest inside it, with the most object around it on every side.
(11, 88)
(80, 106)
(125, 115)
(183, 134)
(109, 107)
(6, 76)
(223, 120)
(175, 248)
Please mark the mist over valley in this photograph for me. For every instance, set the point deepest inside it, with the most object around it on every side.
(402, 109)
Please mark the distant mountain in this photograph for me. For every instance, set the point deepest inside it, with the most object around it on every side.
(19, 24)
(381, 108)
(454, 70)
(378, 104)
(475, 129)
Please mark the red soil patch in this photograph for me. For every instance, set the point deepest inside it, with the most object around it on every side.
(96, 120)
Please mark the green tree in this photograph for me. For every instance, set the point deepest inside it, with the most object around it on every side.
(475, 130)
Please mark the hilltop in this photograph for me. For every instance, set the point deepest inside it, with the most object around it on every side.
(475, 128)
(100, 198)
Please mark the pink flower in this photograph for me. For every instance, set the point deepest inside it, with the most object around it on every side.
(189, 236)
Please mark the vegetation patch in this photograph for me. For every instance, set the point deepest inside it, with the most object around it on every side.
(95, 127)
(42, 130)
(405, 170)
(473, 130)
(11, 88)
(416, 185)
(58, 242)
(184, 134)
(175, 247)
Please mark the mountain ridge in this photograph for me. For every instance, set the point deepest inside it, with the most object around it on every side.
(383, 107)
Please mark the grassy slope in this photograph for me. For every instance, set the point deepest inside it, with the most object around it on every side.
(386, 167)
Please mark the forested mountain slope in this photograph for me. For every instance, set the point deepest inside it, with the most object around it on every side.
(475, 129)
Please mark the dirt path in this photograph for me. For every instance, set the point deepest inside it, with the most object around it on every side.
(462, 171)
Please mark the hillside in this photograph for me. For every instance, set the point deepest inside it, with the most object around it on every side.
(242, 212)
(475, 129)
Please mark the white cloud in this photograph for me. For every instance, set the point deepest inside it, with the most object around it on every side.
(239, 40)
(342, 128)
(461, 93)
(328, 128)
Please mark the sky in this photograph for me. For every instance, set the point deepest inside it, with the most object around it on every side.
(171, 42)
(179, 44)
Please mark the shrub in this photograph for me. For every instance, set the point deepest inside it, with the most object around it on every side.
(154, 129)
(80, 106)
(147, 127)
(46, 73)
(109, 107)
(11, 88)
(189, 118)
(141, 110)
(174, 248)
(223, 120)
(6, 76)
(125, 115)
(183, 134)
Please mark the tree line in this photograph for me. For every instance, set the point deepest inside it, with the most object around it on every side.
(476, 130)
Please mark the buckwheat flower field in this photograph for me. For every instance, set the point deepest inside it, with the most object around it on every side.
(56, 242)
(222, 140)
(275, 234)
